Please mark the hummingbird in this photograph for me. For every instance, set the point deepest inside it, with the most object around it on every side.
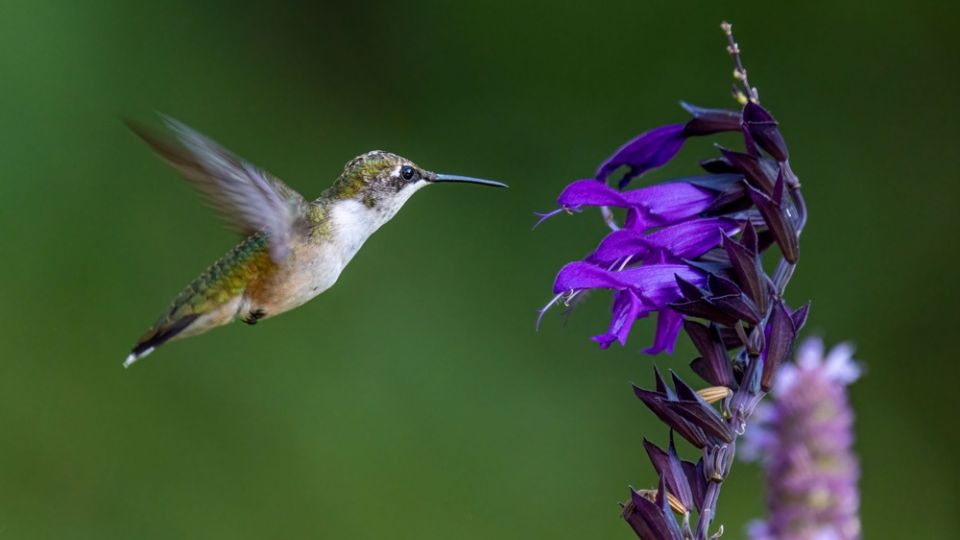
(293, 249)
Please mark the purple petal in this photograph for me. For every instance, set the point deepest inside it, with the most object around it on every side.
(673, 201)
(655, 284)
(646, 151)
(641, 290)
(580, 275)
(589, 192)
(693, 238)
(686, 240)
(668, 328)
(627, 307)
(657, 205)
(621, 244)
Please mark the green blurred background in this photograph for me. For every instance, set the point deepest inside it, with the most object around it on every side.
(415, 399)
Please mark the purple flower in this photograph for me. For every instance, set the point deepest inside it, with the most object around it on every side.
(686, 240)
(687, 223)
(652, 206)
(692, 249)
(668, 226)
(639, 291)
(656, 147)
(804, 439)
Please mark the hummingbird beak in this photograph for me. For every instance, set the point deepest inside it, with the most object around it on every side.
(465, 180)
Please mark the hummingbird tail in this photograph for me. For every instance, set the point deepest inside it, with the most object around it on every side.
(133, 357)
(156, 337)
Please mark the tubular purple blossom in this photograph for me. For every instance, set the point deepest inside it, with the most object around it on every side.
(651, 206)
(641, 290)
(804, 439)
(647, 151)
(686, 240)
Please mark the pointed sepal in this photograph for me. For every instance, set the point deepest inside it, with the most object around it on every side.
(756, 172)
(708, 121)
(746, 266)
(651, 520)
(763, 129)
(691, 407)
(713, 365)
(799, 316)
(697, 480)
(779, 335)
(670, 469)
(774, 210)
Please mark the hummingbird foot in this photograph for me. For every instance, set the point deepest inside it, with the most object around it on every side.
(254, 316)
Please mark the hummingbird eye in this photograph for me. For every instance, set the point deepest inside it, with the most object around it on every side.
(407, 172)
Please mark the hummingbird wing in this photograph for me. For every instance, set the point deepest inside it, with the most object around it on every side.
(251, 200)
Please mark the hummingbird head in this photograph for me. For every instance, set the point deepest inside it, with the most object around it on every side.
(383, 181)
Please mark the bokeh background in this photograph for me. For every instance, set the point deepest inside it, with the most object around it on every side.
(415, 399)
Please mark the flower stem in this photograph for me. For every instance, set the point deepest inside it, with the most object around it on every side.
(738, 418)
(709, 509)
(739, 71)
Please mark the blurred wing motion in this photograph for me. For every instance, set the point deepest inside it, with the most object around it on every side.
(251, 200)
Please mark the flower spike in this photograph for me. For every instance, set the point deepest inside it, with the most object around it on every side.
(803, 438)
(691, 251)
